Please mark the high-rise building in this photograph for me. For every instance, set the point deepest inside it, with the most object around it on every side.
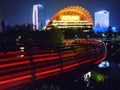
(102, 20)
(0, 21)
(38, 16)
(0, 25)
(3, 25)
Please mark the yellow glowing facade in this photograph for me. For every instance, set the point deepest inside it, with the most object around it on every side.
(71, 17)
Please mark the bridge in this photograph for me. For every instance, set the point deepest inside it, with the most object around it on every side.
(23, 67)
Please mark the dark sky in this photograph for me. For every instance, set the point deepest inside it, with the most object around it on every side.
(20, 11)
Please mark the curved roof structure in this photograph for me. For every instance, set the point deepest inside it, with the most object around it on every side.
(73, 10)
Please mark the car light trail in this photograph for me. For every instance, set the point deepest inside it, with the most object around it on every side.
(40, 64)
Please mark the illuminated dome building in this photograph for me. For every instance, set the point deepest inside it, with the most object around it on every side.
(71, 17)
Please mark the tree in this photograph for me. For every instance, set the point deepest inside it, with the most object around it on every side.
(57, 36)
(109, 33)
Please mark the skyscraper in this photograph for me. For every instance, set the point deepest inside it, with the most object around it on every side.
(102, 20)
(0, 21)
(38, 16)
(3, 23)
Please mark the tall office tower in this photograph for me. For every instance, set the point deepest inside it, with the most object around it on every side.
(102, 20)
(38, 16)
(0, 25)
(0, 21)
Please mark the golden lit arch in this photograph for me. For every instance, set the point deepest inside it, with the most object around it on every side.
(73, 10)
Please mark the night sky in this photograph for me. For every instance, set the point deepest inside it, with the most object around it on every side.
(20, 11)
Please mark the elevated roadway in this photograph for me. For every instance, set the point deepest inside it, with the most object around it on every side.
(23, 67)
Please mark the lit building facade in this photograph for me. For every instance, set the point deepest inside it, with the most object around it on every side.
(38, 16)
(101, 21)
(71, 17)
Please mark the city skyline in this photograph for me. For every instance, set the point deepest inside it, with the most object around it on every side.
(19, 12)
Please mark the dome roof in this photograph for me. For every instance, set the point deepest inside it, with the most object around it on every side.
(72, 10)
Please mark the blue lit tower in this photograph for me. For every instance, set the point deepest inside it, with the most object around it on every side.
(38, 16)
(101, 20)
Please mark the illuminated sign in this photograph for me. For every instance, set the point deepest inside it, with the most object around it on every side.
(70, 18)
